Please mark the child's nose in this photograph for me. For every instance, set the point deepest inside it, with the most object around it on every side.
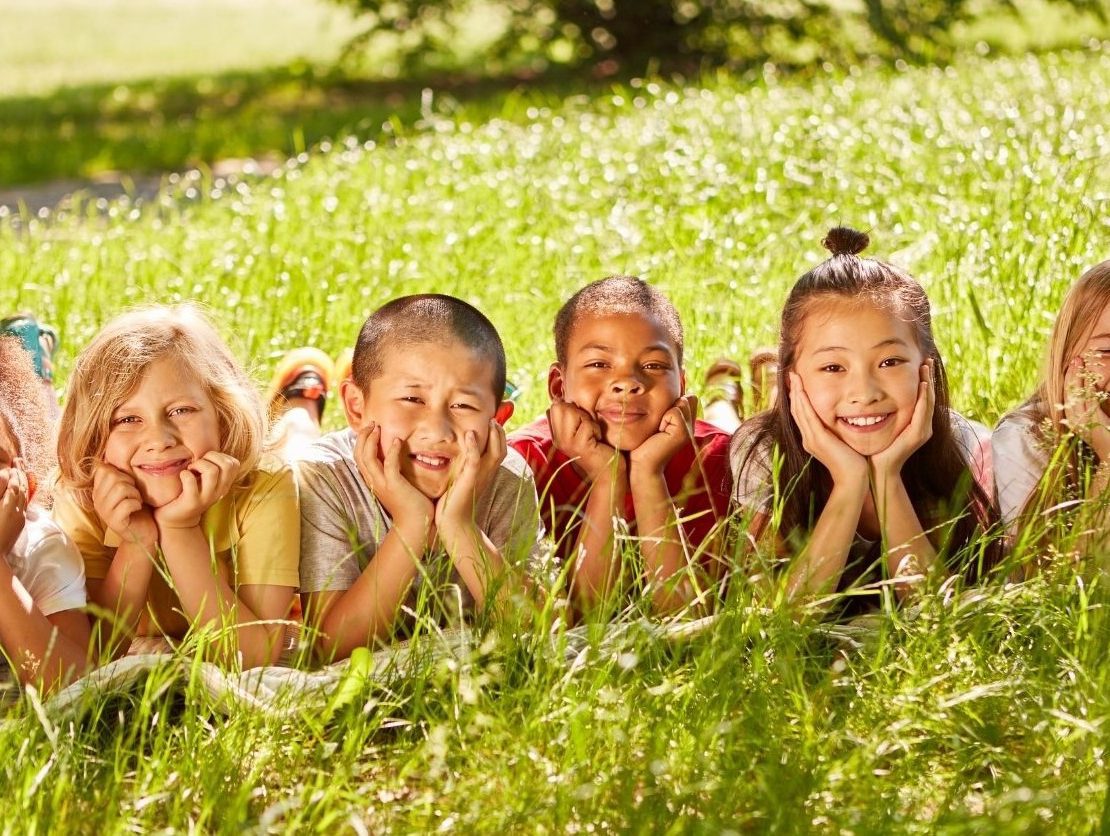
(864, 388)
(437, 426)
(159, 435)
(627, 384)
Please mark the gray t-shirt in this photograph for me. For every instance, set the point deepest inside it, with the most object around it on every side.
(343, 523)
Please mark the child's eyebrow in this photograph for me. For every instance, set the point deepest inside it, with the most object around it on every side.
(608, 348)
(1101, 337)
(880, 344)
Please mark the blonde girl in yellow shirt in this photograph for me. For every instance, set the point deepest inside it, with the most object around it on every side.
(163, 488)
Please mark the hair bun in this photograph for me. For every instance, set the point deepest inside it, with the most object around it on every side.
(843, 240)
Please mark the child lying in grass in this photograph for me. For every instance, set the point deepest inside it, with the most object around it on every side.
(44, 631)
(420, 486)
(182, 524)
(860, 472)
(620, 441)
(1051, 454)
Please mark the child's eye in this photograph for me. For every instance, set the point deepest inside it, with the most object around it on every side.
(596, 364)
(832, 367)
(125, 419)
(656, 366)
(891, 361)
(410, 399)
(465, 406)
(181, 410)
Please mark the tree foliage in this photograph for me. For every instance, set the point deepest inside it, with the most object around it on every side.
(638, 33)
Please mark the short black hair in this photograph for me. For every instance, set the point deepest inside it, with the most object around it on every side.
(426, 318)
(617, 295)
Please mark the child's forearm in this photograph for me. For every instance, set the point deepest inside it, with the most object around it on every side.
(818, 568)
(208, 601)
(477, 560)
(594, 560)
(42, 655)
(366, 611)
(908, 549)
(123, 594)
(666, 563)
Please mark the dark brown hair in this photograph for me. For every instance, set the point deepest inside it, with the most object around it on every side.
(424, 318)
(936, 476)
(617, 295)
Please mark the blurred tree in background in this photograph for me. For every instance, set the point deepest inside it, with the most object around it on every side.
(636, 34)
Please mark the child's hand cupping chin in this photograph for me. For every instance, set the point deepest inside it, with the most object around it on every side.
(676, 430)
(474, 471)
(578, 435)
(844, 464)
(916, 433)
(204, 483)
(382, 472)
(14, 492)
(117, 501)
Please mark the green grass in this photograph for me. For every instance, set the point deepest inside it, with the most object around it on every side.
(96, 90)
(988, 181)
(91, 90)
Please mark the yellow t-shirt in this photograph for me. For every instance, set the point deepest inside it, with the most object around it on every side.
(254, 533)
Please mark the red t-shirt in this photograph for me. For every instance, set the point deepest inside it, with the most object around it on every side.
(698, 478)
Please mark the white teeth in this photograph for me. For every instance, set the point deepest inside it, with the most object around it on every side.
(865, 421)
(433, 461)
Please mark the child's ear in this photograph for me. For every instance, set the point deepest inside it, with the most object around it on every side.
(504, 412)
(556, 387)
(354, 403)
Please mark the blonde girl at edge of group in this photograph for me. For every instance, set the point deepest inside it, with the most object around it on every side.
(183, 524)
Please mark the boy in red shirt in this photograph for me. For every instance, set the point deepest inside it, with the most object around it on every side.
(621, 441)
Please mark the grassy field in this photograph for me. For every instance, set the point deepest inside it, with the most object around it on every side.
(123, 87)
(987, 180)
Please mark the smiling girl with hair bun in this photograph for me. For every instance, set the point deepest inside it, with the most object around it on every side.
(860, 471)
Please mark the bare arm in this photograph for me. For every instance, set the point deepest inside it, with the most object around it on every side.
(817, 569)
(46, 651)
(595, 560)
(208, 601)
(909, 553)
(356, 617)
(668, 566)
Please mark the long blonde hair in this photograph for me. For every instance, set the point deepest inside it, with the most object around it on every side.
(111, 367)
(1069, 457)
(1079, 313)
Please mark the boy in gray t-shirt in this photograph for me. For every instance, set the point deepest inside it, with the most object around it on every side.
(420, 485)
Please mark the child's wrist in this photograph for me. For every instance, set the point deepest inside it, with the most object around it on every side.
(169, 527)
(413, 526)
(614, 470)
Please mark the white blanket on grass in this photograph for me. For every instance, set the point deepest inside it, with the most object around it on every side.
(283, 691)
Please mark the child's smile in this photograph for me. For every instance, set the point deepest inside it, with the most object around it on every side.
(860, 366)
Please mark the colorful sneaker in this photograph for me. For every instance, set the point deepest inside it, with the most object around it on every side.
(764, 367)
(723, 383)
(302, 373)
(39, 340)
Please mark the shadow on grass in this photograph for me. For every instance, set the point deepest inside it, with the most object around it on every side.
(171, 124)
